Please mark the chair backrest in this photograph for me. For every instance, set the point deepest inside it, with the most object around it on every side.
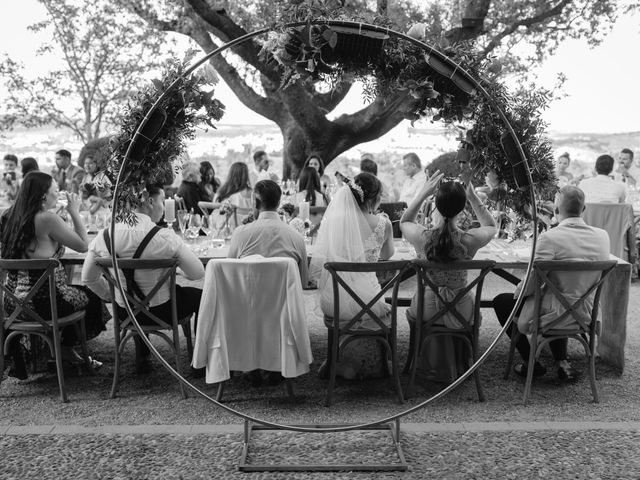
(423, 267)
(336, 268)
(616, 219)
(141, 305)
(23, 308)
(394, 211)
(253, 309)
(544, 283)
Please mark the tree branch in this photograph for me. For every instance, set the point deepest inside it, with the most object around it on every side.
(525, 22)
(263, 106)
(374, 120)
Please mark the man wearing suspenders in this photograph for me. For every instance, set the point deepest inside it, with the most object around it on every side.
(147, 241)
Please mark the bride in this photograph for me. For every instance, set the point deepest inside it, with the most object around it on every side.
(351, 231)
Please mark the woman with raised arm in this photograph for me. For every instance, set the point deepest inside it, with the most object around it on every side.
(30, 230)
(446, 242)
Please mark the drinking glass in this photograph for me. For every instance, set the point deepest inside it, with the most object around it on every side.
(193, 226)
(206, 225)
(183, 220)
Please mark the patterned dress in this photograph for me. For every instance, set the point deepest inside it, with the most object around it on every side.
(443, 358)
(69, 299)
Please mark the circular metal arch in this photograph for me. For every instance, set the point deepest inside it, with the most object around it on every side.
(457, 69)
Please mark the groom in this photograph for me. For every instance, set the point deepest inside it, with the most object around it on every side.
(269, 236)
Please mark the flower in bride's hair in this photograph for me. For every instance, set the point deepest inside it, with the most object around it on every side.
(355, 188)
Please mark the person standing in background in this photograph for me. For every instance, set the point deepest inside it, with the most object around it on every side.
(415, 177)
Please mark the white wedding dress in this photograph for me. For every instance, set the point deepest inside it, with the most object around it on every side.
(345, 236)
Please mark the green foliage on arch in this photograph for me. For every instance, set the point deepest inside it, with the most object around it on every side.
(389, 66)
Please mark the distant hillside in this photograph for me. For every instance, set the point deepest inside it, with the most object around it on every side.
(230, 143)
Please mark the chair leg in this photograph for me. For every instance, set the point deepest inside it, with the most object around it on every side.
(289, 385)
(220, 392)
(333, 359)
(592, 368)
(530, 367)
(476, 375)
(83, 346)
(512, 352)
(395, 369)
(176, 348)
(384, 364)
(58, 356)
(186, 329)
(412, 361)
(412, 333)
(116, 369)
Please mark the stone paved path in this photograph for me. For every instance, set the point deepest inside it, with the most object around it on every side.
(510, 450)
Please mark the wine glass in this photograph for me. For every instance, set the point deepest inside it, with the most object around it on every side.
(183, 220)
(193, 226)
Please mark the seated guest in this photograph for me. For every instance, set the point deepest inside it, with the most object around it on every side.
(269, 236)
(96, 186)
(444, 243)
(572, 239)
(67, 175)
(28, 164)
(562, 163)
(162, 243)
(310, 191)
(315, 161)
(237, 191)
(627, 172)
(189, 189)
(209, 183)
(261, 163)
(29, 229)
(602, 188)
(352, 232)
(368, 165)
(9, 178)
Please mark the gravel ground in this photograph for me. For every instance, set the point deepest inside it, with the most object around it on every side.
(155, 399)
(499, 455)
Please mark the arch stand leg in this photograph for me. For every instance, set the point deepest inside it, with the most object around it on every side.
(392, 427)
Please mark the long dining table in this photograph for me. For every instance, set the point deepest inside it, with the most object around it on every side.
(511, 260)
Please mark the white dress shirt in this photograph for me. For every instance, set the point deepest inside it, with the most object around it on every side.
(411, 187)
(164, 244)
(602, 189)
(270, 237)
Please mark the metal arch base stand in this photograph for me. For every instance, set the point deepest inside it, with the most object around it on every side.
(393, 427)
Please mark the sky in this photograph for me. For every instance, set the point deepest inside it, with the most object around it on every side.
(601, 87)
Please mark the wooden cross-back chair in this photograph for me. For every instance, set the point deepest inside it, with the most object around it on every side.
(25, 321)
(469, 330)
(340, 336)
(583, 331)
(125, 329)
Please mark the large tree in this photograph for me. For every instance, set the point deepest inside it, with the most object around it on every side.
(301, 109)
(103, 55)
